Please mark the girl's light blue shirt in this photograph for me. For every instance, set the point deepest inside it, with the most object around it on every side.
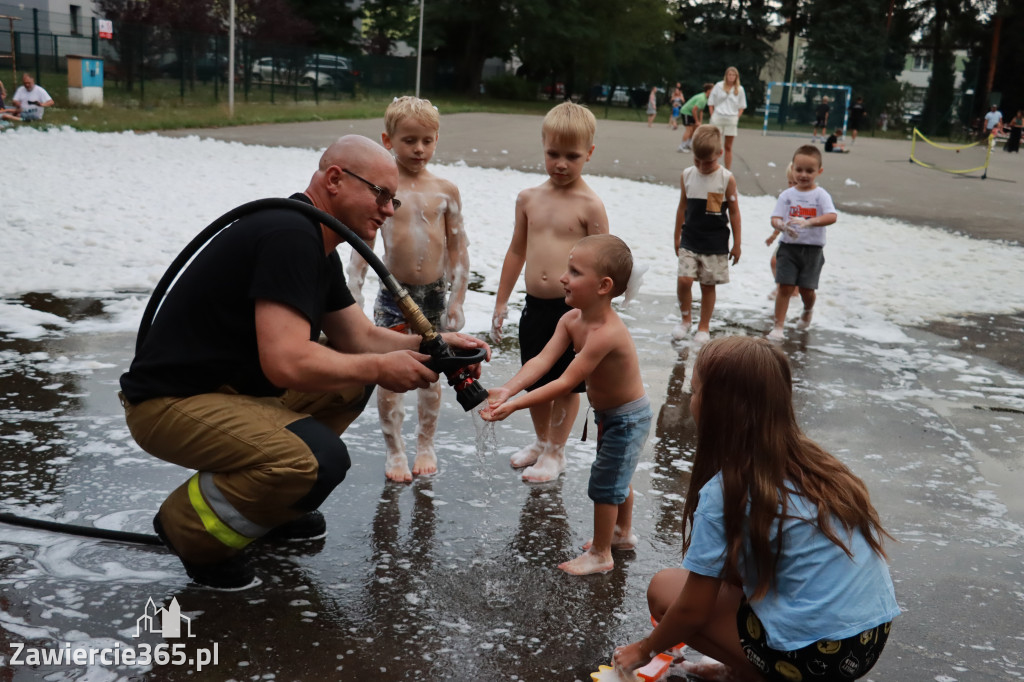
(819, 592)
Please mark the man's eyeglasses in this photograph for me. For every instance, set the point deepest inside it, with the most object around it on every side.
(383, 195)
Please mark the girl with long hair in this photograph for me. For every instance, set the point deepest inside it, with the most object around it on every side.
(726, 103)
(784, 574)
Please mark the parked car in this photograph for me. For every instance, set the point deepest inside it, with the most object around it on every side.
(270, 69)
(205, 69)
(330, 71)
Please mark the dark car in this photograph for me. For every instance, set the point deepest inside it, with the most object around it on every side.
(330, 71)
(204, 69)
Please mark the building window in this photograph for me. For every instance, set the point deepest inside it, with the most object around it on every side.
(922, 62)
(76, 19)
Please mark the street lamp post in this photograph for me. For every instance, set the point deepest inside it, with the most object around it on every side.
(419, 52)
(231, 60)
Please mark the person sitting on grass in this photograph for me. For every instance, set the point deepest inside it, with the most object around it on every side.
(29, 101)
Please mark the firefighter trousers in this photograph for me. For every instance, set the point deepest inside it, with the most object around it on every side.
(259, 461)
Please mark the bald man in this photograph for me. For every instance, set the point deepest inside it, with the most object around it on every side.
(232, 382)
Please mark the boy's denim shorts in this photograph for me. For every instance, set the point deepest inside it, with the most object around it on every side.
(621, 434)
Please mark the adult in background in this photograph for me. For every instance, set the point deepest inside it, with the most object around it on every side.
(29, 101)
(993, 122)
(1016, 128)
(693, 114)
(821, 119)
(233, 382)
(858, 114)
(652, 106)
(726, 104)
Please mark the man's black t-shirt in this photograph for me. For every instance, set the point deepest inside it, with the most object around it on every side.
(204, 334)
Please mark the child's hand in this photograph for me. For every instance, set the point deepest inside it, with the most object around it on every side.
(735, 254)
(454, 319)
(796, 222)
(774, 235)
(632, 656)
(498, 406)
(496, 413)
(790, 228)
(497, 320)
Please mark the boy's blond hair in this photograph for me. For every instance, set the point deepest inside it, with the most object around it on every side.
(570, 123)
(612, 258)
(706, 141)
(790, 175)
(410, 107)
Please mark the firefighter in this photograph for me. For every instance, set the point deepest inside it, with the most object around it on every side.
(232, 379)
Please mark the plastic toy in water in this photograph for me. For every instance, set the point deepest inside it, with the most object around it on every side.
(655, 671)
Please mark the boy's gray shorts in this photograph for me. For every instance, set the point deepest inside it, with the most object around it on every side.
(799, 264)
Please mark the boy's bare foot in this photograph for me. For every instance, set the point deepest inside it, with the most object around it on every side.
(527, 455)
(426, 462)
(624, 543)
(805, 318)
(773, 293)
(549, 466)
(776, 334)
(396, 468)
(701, 337)
(587, 564)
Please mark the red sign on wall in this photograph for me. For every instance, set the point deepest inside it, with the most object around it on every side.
(106, 28)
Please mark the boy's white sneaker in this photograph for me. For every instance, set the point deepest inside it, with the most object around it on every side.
(701, 338)
(680, 332)
(776, 334)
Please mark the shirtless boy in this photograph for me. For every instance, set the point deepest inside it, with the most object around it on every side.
(550, 219)
(599, 268)
(426, 249)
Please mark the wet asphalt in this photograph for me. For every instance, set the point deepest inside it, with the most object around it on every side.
(453, 577)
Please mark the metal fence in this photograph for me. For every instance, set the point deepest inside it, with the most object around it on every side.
(148, 62)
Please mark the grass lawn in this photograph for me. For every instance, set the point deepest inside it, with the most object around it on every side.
(168, 104)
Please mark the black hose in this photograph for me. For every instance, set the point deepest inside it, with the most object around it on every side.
(182, 259)
(84, 531)
(231, 216)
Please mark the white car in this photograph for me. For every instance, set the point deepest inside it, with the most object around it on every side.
(269, 69)
(329, 71)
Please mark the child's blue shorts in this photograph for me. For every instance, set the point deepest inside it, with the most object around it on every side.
(621, 434)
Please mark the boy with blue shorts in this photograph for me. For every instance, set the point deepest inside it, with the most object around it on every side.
(599, 269)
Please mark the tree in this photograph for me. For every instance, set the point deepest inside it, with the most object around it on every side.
(862, 44)
(588, 43)
(333, 22)
(385, 22)
(462, 34)
(949, 24)
(723, 33)
(130, 18)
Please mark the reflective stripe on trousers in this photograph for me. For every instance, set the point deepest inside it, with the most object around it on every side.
(220, 519)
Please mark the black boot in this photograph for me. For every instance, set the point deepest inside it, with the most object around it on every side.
(231, 574)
